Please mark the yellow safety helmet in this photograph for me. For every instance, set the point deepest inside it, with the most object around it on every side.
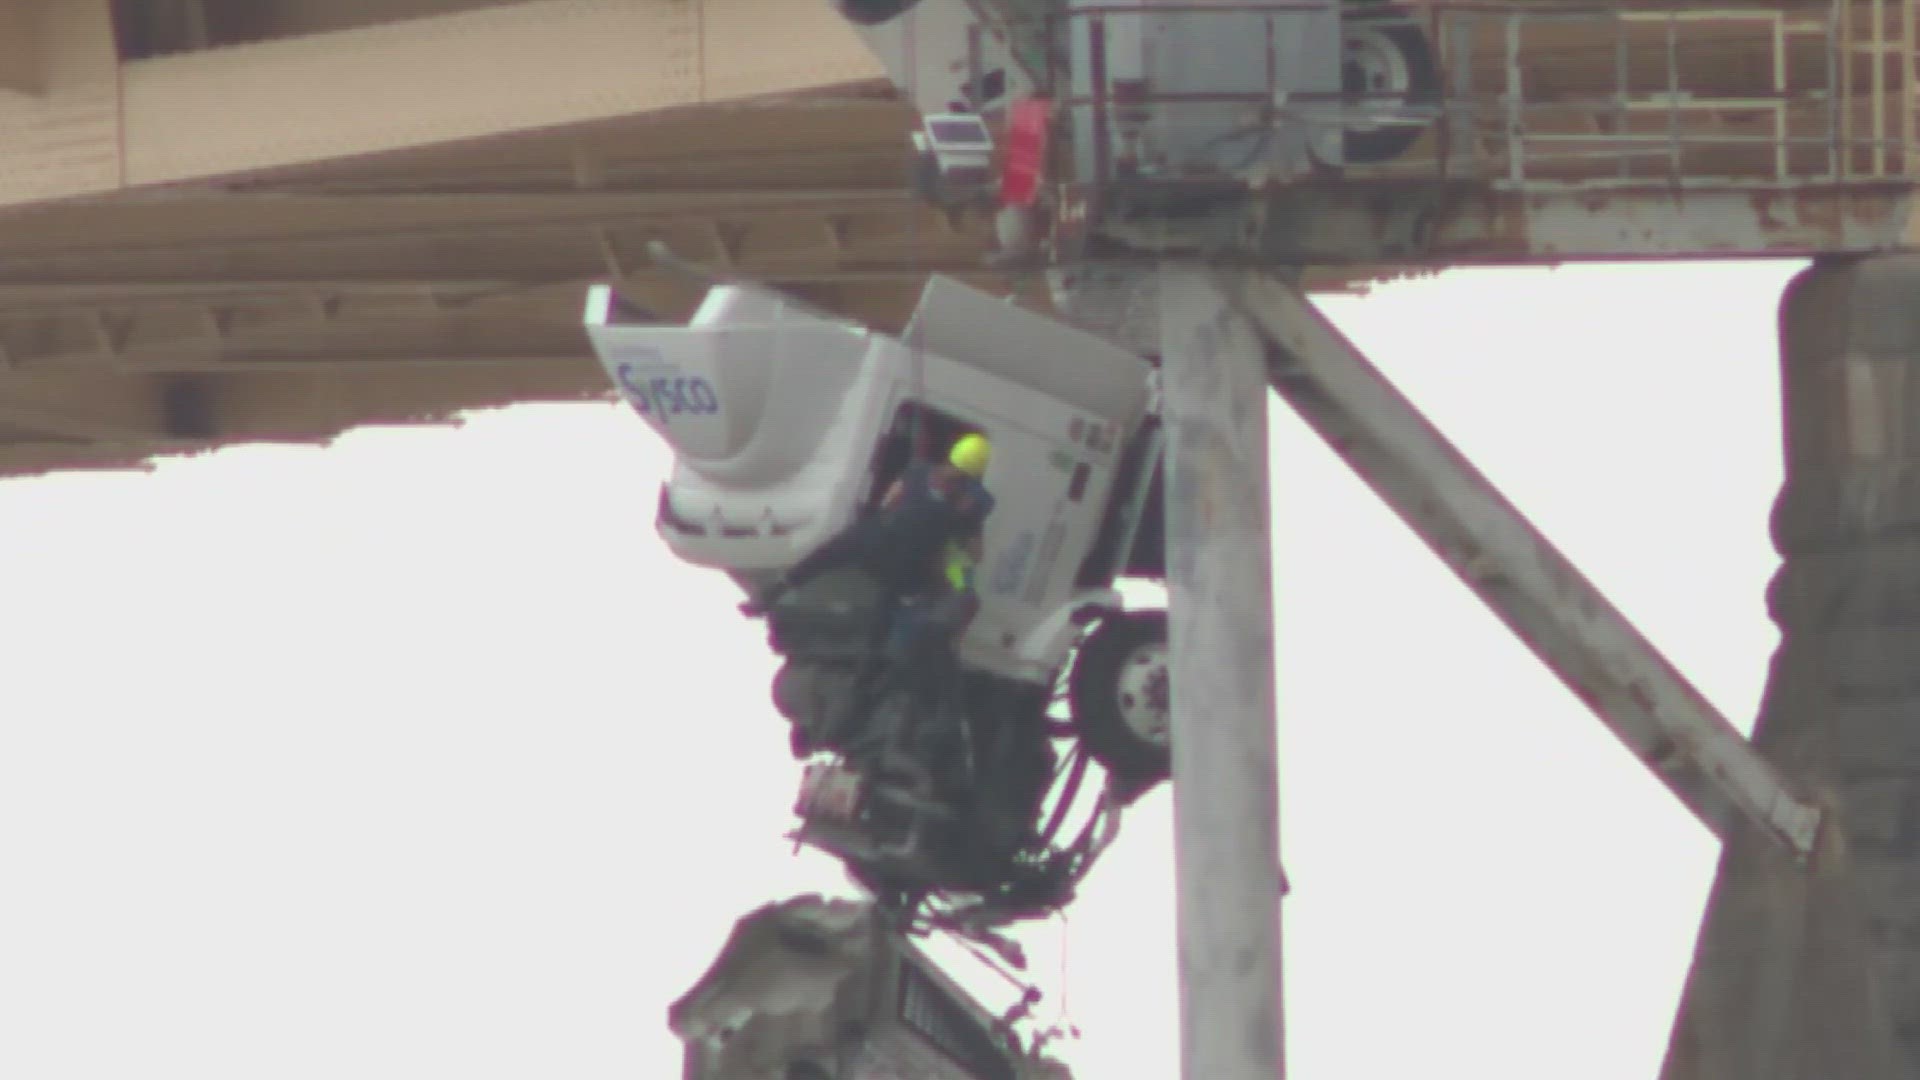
(970, 454)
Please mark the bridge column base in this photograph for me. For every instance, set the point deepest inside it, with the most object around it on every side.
(1806, 975)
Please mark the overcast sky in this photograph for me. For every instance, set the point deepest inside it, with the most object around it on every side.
(419, 756)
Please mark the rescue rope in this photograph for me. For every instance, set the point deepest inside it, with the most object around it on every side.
(1063, 1024)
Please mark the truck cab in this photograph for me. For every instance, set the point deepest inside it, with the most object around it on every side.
(787, 424)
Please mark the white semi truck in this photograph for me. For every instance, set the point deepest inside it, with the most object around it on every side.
(788, 424)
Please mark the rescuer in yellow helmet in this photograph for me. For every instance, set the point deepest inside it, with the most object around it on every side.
(931, 505)
(971, 454)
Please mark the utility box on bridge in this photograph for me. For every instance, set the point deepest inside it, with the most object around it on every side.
(1164, 90)
(815, 989)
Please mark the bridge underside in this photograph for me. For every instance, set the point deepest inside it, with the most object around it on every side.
(228, 221)
(279, 220)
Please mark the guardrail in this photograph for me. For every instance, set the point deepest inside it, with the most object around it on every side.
(1515, 95)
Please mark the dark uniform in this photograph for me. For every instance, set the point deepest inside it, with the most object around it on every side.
(926, 624)
(903, 542)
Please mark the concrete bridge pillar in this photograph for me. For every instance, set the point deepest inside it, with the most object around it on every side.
(1814, 974)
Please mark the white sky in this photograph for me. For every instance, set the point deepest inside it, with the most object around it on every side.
(419, 756)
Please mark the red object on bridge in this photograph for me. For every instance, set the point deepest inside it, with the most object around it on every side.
(1026, 157)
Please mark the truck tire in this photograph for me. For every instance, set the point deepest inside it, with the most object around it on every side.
(1118, 694)
(1384, 52)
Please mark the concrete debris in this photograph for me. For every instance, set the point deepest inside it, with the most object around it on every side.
(817, 989)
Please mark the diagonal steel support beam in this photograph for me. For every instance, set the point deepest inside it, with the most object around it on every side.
(1534, 589)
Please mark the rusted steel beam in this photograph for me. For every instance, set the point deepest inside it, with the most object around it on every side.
(1440, 225)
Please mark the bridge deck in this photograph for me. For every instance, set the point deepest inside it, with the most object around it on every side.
(285, 218)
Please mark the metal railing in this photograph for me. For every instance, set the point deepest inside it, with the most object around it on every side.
(1889, 27)
(1539, 95)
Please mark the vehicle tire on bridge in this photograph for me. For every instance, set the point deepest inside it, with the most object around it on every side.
(1118, 693)
(1385, 52)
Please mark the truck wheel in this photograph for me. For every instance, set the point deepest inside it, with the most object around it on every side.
(1385, 53)
(1119, 696)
